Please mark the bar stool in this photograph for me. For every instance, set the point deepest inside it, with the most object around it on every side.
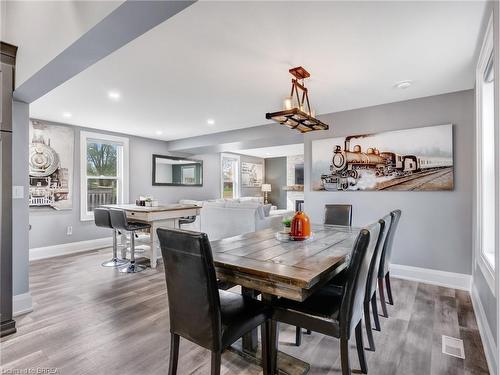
(119, 222)
(103, 220)
(187, 220)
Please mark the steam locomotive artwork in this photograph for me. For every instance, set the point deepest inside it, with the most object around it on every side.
(371, 168)
(49, 172)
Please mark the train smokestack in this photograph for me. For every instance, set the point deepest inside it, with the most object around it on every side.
(347, 142)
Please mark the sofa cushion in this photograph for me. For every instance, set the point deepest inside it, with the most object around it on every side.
(252, 199)
(267, 209)
(248, 205)
(214, 204)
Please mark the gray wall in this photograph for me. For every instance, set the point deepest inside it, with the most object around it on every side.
(435, 230)
(20, 211)
(49, 227)
(276, 176)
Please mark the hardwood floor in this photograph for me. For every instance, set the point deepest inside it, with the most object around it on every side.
(93, 320)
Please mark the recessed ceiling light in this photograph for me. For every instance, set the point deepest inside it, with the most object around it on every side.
(403, 84)
(67, 114)
(115, 95)
(159, 132)
(211, 121)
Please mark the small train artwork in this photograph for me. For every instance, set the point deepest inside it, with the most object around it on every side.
(405, 160)
(50, 166)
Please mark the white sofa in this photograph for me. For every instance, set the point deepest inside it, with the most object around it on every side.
(226, 218)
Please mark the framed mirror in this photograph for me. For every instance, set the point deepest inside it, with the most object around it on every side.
(175, 171)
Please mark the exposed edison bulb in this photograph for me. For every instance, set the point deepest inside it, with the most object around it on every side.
(287, 103)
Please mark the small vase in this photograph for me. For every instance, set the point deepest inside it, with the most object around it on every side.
(301, 227)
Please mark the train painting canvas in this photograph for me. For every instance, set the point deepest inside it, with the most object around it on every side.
(50, 166)
(419, 159)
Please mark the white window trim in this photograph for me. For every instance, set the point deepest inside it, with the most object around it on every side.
(480, 260)
(238, 188)
(123, 172)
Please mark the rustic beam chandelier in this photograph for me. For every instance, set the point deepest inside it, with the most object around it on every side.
(297, 113)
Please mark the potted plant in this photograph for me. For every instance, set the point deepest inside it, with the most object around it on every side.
(287, 222)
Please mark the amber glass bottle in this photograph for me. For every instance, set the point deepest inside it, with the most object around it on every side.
(301, 227)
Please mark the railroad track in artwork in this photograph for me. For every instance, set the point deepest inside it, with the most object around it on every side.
(417, 181)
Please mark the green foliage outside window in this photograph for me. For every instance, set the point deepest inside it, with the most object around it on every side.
(101, 159)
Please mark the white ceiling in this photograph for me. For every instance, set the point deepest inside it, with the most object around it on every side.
(43, 29)
(275, 151)
(229, 61)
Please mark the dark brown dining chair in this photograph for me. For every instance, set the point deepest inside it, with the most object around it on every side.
(371, 285)
(335, 311)
(385, 261)
(335, 214)
(199, 312)
(338, 214)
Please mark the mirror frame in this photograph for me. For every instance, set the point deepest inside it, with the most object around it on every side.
(157, 156)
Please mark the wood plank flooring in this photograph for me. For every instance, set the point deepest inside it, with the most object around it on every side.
(93, 320)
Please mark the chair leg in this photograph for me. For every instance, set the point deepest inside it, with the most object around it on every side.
(215, 363)
(344, 356)
(360, 348)
(265, 334)
(273, 347)
(115, 261)
(368, 325)
(382, 297)
(389, 289)
(298, 336)
(375, 312)
(132, 266)
(174, 354)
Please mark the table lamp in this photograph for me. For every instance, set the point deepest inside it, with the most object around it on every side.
(266, 188)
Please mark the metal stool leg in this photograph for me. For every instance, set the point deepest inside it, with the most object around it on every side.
(115, 261)
(132, 267)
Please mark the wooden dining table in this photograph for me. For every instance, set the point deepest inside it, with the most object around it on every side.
(262, 264)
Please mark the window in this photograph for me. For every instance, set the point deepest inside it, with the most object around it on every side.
(485, 183)
(230, 187)
(104, 171)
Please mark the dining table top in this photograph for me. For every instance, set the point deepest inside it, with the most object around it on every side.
(160, 208)
(291, 269)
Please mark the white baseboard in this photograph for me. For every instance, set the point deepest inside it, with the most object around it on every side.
(22, 304)
(490, 349)
(429, 276)
(69, 248)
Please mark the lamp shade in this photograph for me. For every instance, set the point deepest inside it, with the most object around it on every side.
(266, 187)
